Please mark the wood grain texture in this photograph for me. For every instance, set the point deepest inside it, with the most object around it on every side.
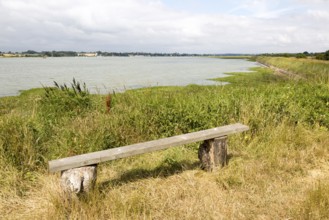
(141, 148)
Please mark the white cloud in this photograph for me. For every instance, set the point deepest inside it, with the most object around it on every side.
(319, 14)
(150, 25)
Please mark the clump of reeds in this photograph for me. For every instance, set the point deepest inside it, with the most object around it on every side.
(63, 99)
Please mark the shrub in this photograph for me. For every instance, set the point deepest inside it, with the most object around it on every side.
(301, 55)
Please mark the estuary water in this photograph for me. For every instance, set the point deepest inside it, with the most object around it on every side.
(105, 74)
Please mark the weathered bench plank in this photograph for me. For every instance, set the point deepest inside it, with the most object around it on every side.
(141, 148)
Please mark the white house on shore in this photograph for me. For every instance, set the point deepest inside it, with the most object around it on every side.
(10, 55)
(87, 54)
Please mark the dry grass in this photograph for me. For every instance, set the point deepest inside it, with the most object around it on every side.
(252, 186)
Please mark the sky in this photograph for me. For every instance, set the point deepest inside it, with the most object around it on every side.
(165, 26)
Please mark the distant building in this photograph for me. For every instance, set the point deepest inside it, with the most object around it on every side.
(87, 54)
(11, 55)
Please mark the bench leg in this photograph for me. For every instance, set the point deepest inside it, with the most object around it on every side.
(213, 153)
(79, 180)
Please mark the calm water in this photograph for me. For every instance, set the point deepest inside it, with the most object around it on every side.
(105, 74)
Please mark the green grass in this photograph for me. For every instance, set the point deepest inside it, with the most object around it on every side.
(257, 76)
(269, 165)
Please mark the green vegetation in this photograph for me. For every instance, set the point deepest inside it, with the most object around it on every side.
(271, 174)
(323, 56)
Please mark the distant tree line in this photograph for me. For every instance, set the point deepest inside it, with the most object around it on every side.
(32, 53)
(323, 56)
(319, 56)
(125, 54)
(52, 53)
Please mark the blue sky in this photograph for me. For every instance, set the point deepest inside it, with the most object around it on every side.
(186, 26)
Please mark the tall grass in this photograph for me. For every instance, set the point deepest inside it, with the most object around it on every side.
(312, 70)
(268, 165)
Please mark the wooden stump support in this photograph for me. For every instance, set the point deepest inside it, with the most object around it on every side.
(213, 153)
(79, 180)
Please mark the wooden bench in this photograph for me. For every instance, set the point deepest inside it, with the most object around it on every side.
(79, 172)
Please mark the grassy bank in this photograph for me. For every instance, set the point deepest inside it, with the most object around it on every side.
(316, 71)
(279, 169)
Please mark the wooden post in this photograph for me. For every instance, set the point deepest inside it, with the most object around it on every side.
(221, 154)
(213, 153)
(79, 180)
